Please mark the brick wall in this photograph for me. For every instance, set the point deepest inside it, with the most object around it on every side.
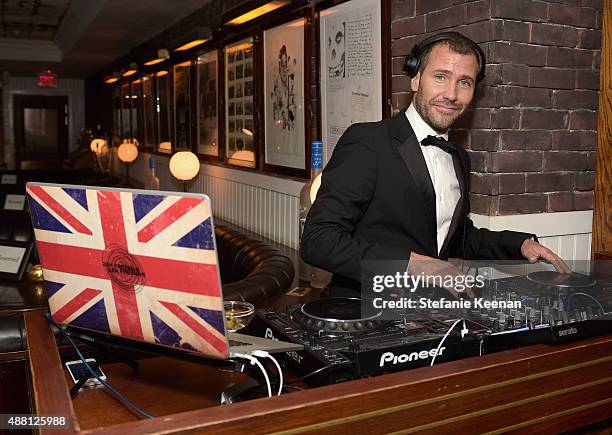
(531, 133)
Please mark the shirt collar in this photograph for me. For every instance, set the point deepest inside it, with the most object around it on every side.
(419, 126)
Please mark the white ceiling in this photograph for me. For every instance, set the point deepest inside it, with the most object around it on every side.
(91, 34)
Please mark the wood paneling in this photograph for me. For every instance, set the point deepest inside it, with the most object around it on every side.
(602, 213)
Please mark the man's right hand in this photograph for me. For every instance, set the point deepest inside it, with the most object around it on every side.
(433, 267)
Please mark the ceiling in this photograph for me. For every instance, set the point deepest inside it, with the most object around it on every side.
(76, 38)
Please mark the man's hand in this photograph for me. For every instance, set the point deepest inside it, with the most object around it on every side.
(533, 251)
(432, 267)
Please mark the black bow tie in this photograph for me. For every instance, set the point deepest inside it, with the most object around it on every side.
(441, 143)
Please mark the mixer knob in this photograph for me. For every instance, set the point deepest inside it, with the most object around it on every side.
(345, 326)
(332, 325)
(320, 324)
(358, 325)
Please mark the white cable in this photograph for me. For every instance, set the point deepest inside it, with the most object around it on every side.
(255, 361)
(265, 354)
(444, 338)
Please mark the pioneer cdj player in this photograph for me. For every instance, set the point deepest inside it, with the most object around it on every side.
(340, 344)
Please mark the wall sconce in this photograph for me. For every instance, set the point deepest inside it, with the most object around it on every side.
(111, 78)
(132, 69)
(184, 166)
(127, 153)
(162, 54)
(197, 37)
(253, 10)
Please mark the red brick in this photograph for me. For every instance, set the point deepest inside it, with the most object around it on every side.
(401, 9)
(524, 10)
(461, 137)
(512, 183)
(565, 161)
(598, 20)
(522, 204)
(552, 78)
(425, 6)
(569, 57)
(487, 96)
(595, 4)
(515, 74)
(587, 80)
(572, 15)
(493, 75)
(590, 39)
(487, 184)
(445, 18)
(550, 182)
(401, 100)
(540, 118)
(400, 84)
(550, 34)
(505, 118)
(560, 201)
(583, 200)
(475, 118)
(402, 46)
(584, 181)
(478, 161)
(481, 204)
(478, 11)
(515, 161)
(484, 140)
(525, 140)
(574, 140)
(408, 27)
(397, 66)
(513, 96)
(591, 161)
(596, 60)
(483, 31)
(506, 52)
(575, 99)
(515, 31)
(583, 120)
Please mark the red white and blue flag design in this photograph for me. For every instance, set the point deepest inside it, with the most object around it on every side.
(141, 266)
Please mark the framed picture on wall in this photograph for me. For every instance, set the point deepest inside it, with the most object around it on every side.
(164, 126)
(208, 103)
(350, 53)
(182, 125)
(239, 127)
(284, 96)
(149, 111)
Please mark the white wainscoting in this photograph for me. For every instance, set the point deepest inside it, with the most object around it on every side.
(269, 206)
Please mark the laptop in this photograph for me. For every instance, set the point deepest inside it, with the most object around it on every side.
(136, 264)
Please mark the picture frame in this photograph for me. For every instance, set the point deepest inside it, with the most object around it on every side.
(164, 124)
(149, 133)
(240, 144)
(182, 104)
(207, 85)
(14, 258)
(286, 97)
(126, 111)
(353, 64)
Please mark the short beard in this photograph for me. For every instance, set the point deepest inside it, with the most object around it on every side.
(424, 110)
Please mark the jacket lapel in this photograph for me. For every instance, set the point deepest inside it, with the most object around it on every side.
(405, 141)
(460, 209)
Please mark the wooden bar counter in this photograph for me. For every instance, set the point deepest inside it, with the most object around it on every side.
(541, 388)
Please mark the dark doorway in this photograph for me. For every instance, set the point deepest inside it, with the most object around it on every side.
(41, 131)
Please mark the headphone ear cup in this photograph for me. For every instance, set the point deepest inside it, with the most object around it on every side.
(411, 65)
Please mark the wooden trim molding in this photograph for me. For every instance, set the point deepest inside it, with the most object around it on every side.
(602, 216)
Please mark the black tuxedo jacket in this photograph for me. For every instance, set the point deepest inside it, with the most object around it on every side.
(377, 202)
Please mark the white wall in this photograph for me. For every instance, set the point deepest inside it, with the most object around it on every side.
(73, 89)
(269, 206)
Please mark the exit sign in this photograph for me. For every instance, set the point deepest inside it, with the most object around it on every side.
(46, 79)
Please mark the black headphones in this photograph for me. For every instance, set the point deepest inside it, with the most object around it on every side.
(413, 60)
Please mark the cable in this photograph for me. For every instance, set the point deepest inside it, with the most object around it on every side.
(569, 301)
(255, 361)
(446, 335)
(265, 354)
(319, 370)
(102, 381)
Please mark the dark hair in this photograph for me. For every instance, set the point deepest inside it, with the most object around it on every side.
(417, 60)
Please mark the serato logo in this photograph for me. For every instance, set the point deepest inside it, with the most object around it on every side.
(568, 331)
(123, 268)
(390, 357)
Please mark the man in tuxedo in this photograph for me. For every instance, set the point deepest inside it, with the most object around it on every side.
(398, 190)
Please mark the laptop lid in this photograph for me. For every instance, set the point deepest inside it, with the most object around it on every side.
(132, 263)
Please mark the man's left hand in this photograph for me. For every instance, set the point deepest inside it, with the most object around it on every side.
(533, 251)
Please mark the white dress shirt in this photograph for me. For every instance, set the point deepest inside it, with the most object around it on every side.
(441, 171)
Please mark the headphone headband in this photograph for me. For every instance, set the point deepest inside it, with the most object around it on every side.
(412, 63)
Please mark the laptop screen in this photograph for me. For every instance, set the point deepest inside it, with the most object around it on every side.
(137, 264)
